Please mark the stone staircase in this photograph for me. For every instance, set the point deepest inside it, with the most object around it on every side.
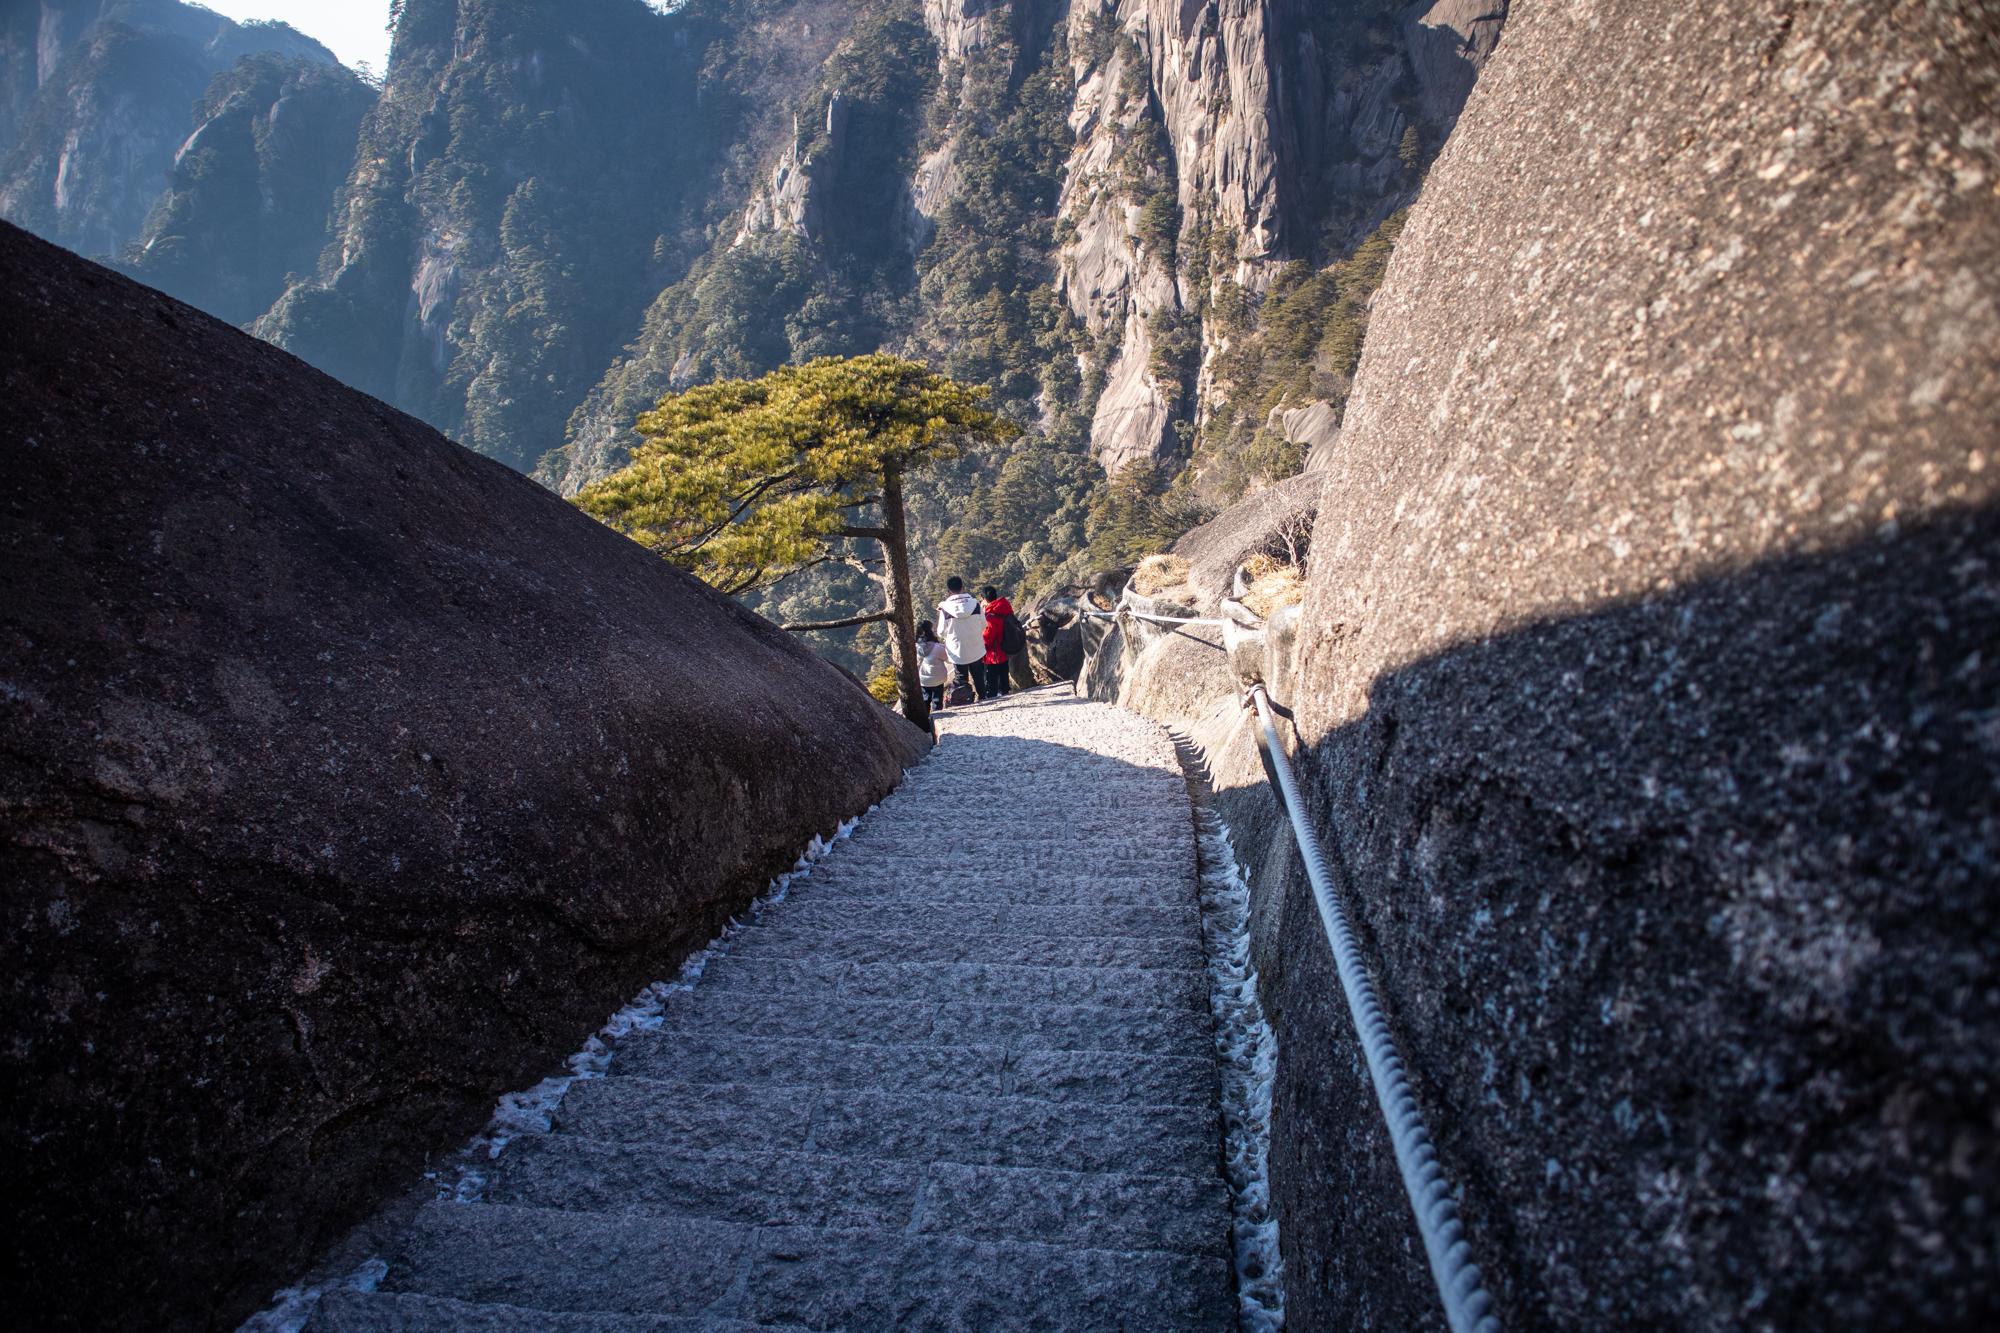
(961, 1078)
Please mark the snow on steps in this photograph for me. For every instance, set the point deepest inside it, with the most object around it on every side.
(961, 1077)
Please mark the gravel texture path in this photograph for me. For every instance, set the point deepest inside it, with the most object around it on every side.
(961, 1077)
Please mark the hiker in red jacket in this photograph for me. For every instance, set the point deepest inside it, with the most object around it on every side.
(1000, 627)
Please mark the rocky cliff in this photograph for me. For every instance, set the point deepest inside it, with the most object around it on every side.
(1122, 216)
(513, 202)
(1644, 688)
(95, 108)
(1172, 159)
(347, 779)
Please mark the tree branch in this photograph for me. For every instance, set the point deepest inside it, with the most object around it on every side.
(865, 534)
(842, 624)
(863, 567)
(744, 501)
(796, 570)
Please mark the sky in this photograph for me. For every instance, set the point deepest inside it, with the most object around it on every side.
(355, 30)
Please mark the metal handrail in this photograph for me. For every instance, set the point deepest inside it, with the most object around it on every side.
(1467, 1306)
(1143, 615)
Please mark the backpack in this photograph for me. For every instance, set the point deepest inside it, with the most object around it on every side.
(1013, 638)
(959, 695)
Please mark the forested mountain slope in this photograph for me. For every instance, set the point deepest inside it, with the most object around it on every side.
(95, 105)
(246, 206)
(1151, 225)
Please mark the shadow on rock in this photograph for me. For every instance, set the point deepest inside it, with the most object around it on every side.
(1686, 914)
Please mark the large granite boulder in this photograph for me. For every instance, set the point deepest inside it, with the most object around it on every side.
(347, 779)
(1649, 685)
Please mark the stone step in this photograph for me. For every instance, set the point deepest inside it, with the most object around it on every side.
(932, 1127)
(345, 1310)
(1096, 1209)
(968, 914)
(964, 946)
(1013, 853)
(801, 1062)
(1165, 1030)
(1125, 817)
(542, 1259)
(1058, 885)
(1026, 818)
(1104, 1210)
(747, 1186)
(968, 1071)
(811, 982)
(875, 1280)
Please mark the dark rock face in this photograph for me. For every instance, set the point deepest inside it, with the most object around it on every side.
(1648, 688)
(253, 186)
(346, 780)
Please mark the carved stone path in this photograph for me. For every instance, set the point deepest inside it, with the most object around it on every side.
(962, 1077)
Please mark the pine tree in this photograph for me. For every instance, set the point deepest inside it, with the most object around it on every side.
(746, 483)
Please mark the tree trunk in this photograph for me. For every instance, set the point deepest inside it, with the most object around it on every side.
(902, 604)
(847, 622)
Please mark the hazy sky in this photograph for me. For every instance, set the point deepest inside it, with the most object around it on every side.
(355, 30)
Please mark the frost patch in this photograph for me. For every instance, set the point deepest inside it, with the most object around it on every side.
(530, 1111)
(291, 1307)
(1248, 1052)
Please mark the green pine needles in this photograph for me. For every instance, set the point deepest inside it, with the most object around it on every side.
(745, 483)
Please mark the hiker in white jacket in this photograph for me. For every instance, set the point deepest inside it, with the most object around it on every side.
(933, 665)
(962, 625)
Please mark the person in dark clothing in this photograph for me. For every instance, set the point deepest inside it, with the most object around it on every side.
(993, 683)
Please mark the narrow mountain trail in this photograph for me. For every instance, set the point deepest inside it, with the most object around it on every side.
(962, 1076)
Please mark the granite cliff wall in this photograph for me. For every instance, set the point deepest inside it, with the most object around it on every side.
(1645, 689)
(347, 779)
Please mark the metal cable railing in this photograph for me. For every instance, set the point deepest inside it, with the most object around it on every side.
(1468, 1308)
(1164, 620)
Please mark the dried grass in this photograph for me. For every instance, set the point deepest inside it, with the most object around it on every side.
(1274, 584)
(1159, 573)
